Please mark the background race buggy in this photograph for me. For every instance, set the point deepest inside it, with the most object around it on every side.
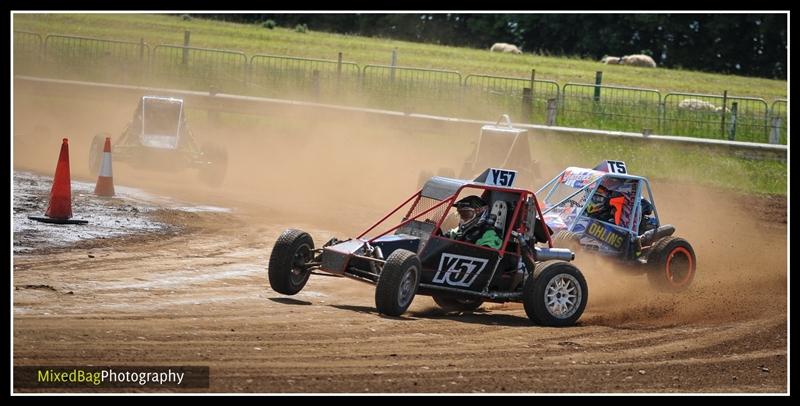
(158, 137)
(500, 145)
(414, 257)
(633, 233)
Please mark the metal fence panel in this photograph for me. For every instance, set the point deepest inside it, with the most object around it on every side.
(609, 107)
(412, 90)
(303, 78)
(203, 69)
(490, 96)
(779, 120)
(96, 59)
(714, 116)
(27, 51)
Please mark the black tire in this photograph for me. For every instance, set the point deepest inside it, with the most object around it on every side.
(398, 283)
(542, 286)
(96, 153)
(464, 304)
(286, 272)
(673, 264)
(215, 165)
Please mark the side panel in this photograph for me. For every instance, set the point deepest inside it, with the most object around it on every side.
(601, 236)
(453, 264)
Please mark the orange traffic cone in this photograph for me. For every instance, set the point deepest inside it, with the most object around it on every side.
(105, 181)
(60, 208)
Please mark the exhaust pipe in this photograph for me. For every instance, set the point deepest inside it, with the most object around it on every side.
(560, 254)
(656, 234)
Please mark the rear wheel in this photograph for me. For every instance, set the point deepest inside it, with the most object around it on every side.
(398, 283)
(288, 272)
(457, 303)
(673, 264)
(555, 295)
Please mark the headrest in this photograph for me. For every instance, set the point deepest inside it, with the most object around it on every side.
(500, 213)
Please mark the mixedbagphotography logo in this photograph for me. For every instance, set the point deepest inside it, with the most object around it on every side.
(110, 377)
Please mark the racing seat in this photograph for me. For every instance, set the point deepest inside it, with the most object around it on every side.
(500, 215)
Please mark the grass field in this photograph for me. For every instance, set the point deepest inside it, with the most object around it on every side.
(254, 39)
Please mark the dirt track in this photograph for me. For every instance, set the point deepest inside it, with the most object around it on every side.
(202, 298)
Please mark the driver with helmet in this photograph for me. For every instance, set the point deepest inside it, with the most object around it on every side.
(473, 226)
(604, 206)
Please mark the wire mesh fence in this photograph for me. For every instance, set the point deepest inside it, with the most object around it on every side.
(411, 90)
(318, 80)
(407, 89)
(490, 96)
(204, 69)
(715, 116)
(27, 52)
(609, 107)
(105, 60)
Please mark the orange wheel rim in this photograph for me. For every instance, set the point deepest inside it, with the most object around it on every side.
(671, 272)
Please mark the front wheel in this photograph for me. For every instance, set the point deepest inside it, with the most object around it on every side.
(288, 271)
(398, 283)
(457, 303)
(673, 264)
(555, 295)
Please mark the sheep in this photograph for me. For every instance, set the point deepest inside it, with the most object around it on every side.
(503, 47)
(699, 105)
(638, 60)
(611, 60)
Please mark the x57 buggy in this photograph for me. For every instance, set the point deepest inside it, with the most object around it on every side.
(414, 256)
(158, 137)
(604, 210)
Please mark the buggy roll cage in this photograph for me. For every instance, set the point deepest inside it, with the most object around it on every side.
(517, 218)
(598, 180)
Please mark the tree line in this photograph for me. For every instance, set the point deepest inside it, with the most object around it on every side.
(743, 44)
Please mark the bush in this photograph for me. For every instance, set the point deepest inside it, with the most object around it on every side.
(301, 28)
(268, 24)
(186, 17)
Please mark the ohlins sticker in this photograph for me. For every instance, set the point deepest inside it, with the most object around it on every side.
(605, 235)
(458, 270)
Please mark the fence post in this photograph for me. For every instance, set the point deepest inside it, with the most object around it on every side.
(527, 103)
(141, 49)
(393, 64)
(598, 80)
(339, 68)
(732, 132)
(775, 132)
(724, 109)
(186, 35)
(338, 74)
(551, 111)
(315, 83)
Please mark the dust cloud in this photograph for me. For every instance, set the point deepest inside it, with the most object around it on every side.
(341, 171)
